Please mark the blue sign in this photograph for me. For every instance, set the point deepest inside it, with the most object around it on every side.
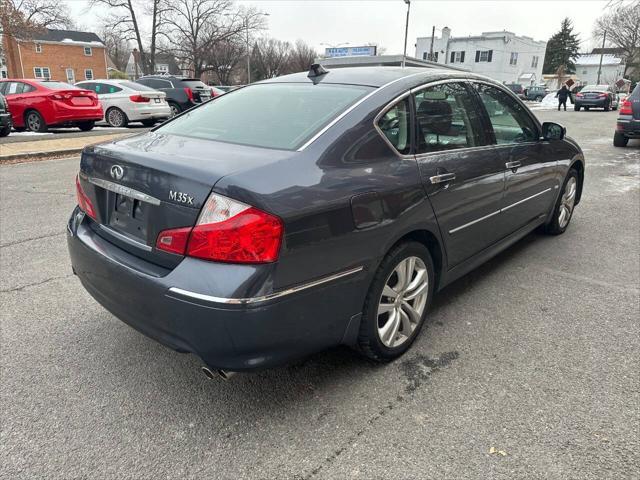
(366, 51)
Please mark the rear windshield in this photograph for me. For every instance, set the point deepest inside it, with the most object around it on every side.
(59, 86)
(272, 115)
(193, 83)
(136, 86)
(636, 92)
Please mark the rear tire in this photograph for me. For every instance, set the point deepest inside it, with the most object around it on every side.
(116, 118)
(34, 122)
(619, 140)
(399, 297)
(563, 210)
(175, 108)
(150, 122)
(4, 131)
(576, 108)
(86, 126)
(538, 98)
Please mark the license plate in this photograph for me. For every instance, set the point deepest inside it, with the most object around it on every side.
(128, 216)
(157, 100)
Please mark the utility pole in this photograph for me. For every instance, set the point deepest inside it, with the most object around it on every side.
(604, 39)
(246, 25)
(406, 33)
(433, 34)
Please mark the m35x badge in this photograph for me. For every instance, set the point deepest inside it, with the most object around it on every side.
(181, 197)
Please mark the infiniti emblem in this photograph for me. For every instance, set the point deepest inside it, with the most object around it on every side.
(117, 172)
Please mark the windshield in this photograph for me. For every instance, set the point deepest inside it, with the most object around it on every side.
(59, 86)
(272, 115)
(136, 86)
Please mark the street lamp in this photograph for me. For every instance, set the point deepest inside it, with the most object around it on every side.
(406, 33)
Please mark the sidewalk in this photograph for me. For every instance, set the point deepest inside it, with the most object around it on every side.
(43, 149)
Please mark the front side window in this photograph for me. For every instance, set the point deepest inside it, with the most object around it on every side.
(88, 51)
(88, 74)
(509, 120)
(394, 125)
(446, 118)
(41, 72)
(271, 115)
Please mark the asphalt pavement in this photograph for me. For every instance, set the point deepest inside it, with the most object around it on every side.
(528, 368)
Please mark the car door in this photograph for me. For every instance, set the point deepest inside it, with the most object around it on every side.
(531, 164)
(462, 174)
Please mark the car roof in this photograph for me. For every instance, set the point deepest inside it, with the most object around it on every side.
(373, 76)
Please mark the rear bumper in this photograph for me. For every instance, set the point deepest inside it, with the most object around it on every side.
(232, 336)
(63, 114)
(160, 110)
(629, 127)
(595, 102)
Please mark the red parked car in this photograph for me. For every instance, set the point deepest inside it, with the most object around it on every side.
(38, 104)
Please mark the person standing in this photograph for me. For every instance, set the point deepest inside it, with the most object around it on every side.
(562, 96)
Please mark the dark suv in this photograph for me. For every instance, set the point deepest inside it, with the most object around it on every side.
(5, 117)
(628, 125)
(182, 93)
(536, 92)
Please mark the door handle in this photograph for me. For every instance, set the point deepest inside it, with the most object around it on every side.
(513, 165)
(442, 178)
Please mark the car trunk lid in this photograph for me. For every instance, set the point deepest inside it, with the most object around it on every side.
(146, 184)
(76, 97)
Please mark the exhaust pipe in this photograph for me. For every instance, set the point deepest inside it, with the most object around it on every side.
(223, 374)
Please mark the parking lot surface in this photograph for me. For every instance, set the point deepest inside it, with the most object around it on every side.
(527, 368)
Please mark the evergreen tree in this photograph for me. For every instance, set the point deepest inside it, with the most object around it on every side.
(562, 50)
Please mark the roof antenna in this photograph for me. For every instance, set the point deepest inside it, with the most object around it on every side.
(317, 70)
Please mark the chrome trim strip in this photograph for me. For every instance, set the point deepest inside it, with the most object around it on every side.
(125, 238)
(264, 298)
(498, 211)
(353, 107)
(525, 199)
(122, 190)
(474, 222)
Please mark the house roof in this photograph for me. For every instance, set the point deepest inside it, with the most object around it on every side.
(591, 59)
(66, 36)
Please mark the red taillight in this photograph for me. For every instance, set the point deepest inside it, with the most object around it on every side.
(625, 108)
(602, 95)
(139, 99)
(173, 241)
(227, 231)
(83, 201)
(189, 93)
(579, 95)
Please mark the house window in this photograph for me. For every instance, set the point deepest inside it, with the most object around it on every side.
(88, 74)
(426, 56)
(484, 55)
(87, 51)
(38, 48)
(457, 57)
(534, 61)
(41, 72)
(514, 58)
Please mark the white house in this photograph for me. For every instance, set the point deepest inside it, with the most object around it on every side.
(503, 56)
(587, 66)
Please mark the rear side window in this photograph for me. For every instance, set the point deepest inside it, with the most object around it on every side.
(59, 86)
(272, 115)
(155, 83)
(136, 86)
(509, 120)
(446, 119)
(395, 126)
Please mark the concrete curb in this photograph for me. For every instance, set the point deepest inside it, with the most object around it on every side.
(35, 156)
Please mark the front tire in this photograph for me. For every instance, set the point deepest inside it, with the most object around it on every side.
(619, 140)
(538, 98)
(563, 210)
(34, 122)
(396, 304)
(4, 131)
(116, 118)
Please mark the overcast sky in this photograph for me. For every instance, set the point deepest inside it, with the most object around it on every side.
(382, 21)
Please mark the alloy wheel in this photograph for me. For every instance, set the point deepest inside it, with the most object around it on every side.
(175, 110)
(403, 301)
(567, 202)
(33, 122)
(115, 118)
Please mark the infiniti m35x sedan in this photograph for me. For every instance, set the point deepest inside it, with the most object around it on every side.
(313, 210)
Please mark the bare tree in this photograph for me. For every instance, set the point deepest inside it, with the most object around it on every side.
(23, 18)
(224, 60)
(622, 27)
(269, 58)
(126, 18)
(301, 57)
(117, 48)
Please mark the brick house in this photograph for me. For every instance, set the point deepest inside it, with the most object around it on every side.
(63, 55)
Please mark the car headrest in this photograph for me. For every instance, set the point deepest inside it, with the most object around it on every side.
(435, 116)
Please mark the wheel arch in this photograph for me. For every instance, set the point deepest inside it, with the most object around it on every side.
(112, 107)
(578, 165)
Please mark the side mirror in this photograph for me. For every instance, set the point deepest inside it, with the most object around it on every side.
(553, 131)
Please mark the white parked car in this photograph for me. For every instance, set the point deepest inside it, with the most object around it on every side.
(124, 101)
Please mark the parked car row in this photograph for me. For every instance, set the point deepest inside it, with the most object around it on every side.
(36, 105)
(628, 123)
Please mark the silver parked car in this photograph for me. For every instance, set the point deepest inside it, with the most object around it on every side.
(124, 101)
